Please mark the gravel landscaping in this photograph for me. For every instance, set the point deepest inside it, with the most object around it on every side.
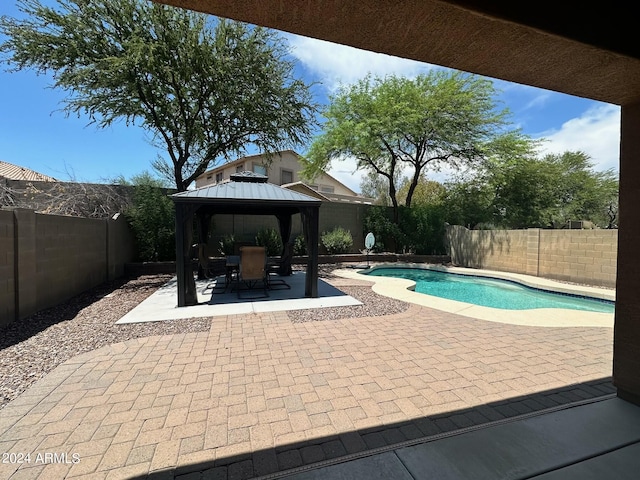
(31, 348)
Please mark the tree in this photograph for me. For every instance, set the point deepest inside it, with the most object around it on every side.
(527, 194)
(584, 194)
(375, 186)
(469, 202)
(426, 192)
(394, 124)
(532, 192)
(204, 89)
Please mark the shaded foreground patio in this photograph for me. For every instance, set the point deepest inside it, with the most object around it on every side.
(259, 394)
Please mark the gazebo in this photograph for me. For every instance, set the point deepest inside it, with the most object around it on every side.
(247, 193)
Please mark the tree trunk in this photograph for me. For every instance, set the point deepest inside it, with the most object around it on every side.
(412, 187)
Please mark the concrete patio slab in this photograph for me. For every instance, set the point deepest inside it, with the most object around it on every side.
(621, 464)
(214, 300)
(528, 447)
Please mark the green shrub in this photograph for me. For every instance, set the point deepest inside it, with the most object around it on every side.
(299, 246)
(227, 244)
(337, 240)
(423, 229)
(378, 221)
(420, 229)
(152, 220)
(270, 239)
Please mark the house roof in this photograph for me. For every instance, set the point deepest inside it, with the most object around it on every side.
(240, 160)
(302, 187)
(16, 172)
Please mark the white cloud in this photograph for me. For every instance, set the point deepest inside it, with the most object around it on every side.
(539, 100)
(345, 171)
(596, 132)
(336, 64)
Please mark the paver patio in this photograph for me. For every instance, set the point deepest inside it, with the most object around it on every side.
(259, 394)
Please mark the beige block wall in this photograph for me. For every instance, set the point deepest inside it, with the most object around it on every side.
(71, 256)
(25, 259)
(491, 249)
(7, 266)
(120, 245)
(47, 259)
(581, 256)
(347, 216)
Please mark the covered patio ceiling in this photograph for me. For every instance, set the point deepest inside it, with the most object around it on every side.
(584, 49)
(250, 194)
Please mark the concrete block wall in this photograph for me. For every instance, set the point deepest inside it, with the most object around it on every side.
(502, 250)
(120, 246)
(7, 266)
(243, 227)
(581, 256)
(71, 256)
(347, 216)
(48, 259)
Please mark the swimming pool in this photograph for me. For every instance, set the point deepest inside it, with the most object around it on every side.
(491, 292)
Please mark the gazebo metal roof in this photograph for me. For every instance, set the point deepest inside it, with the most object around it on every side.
(248, 187)
(246, 193)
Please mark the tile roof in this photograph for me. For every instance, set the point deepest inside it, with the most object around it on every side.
(16, 172)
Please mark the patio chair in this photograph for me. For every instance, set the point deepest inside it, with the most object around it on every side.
(206, 264)
(252, 272)
(280, 268)
(209, 268)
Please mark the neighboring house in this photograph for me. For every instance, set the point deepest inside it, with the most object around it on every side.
(283, 170)
(16, 172)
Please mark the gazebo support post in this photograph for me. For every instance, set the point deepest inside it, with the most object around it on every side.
(310, 223)
(203, 224)
(184, 270)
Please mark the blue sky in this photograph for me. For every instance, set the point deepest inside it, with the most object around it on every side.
(36, 135)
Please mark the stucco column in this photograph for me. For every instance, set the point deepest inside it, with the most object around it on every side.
(626, 343)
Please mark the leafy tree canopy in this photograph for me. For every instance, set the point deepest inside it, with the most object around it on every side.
(545, 192)
(204, 89)
(426, 192)
(396, 124)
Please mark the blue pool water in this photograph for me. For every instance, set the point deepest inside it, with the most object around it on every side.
(490, 292)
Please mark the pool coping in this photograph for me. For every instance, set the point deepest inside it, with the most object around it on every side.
(402, 289)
